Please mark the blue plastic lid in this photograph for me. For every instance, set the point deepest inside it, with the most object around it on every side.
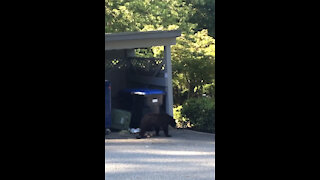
(143, 91)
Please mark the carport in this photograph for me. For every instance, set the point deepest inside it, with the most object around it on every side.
(124, 70)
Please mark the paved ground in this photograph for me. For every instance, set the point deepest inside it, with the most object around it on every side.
(188, 155)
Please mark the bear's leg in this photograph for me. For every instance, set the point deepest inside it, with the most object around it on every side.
(166, 131)
(141, 134)
(157, 131)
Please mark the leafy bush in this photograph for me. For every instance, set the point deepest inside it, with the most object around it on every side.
(209, 90)
(182, 122)
(201, 113)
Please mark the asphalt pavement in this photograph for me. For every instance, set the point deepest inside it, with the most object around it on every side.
(187, 155)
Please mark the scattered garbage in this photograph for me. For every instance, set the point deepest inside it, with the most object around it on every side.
(107, 132)
(134, 130)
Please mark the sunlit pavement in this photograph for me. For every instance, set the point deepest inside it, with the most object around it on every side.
(187, 155)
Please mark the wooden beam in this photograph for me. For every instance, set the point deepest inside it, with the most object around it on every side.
(140, 43)
(156, 81)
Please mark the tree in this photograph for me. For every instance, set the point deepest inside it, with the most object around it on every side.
(135, 15)
(193, 61)
(205, 15)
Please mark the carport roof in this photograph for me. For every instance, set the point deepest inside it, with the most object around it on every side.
(131, 40)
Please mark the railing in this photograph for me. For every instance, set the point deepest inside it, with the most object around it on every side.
(116, 64)
(142, 66)
(147, 66)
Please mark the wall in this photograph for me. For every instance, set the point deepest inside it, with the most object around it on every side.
(117, 77)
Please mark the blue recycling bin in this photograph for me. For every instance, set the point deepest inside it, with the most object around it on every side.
(108, 104)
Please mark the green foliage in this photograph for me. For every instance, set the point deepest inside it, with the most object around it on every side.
(135, 15)
(193, 62)
(201, 113)
(205, 15)
(181, 121)
(209, 90)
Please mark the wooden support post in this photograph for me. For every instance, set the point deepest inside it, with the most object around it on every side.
(168, 76)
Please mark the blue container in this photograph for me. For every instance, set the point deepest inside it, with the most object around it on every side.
(108, 104)
(143, 91)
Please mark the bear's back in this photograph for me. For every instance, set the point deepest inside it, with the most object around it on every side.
(155, 120)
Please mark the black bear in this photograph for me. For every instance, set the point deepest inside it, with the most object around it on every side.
(156, 122)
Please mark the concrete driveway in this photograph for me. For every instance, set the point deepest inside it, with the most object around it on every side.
(187, 155)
